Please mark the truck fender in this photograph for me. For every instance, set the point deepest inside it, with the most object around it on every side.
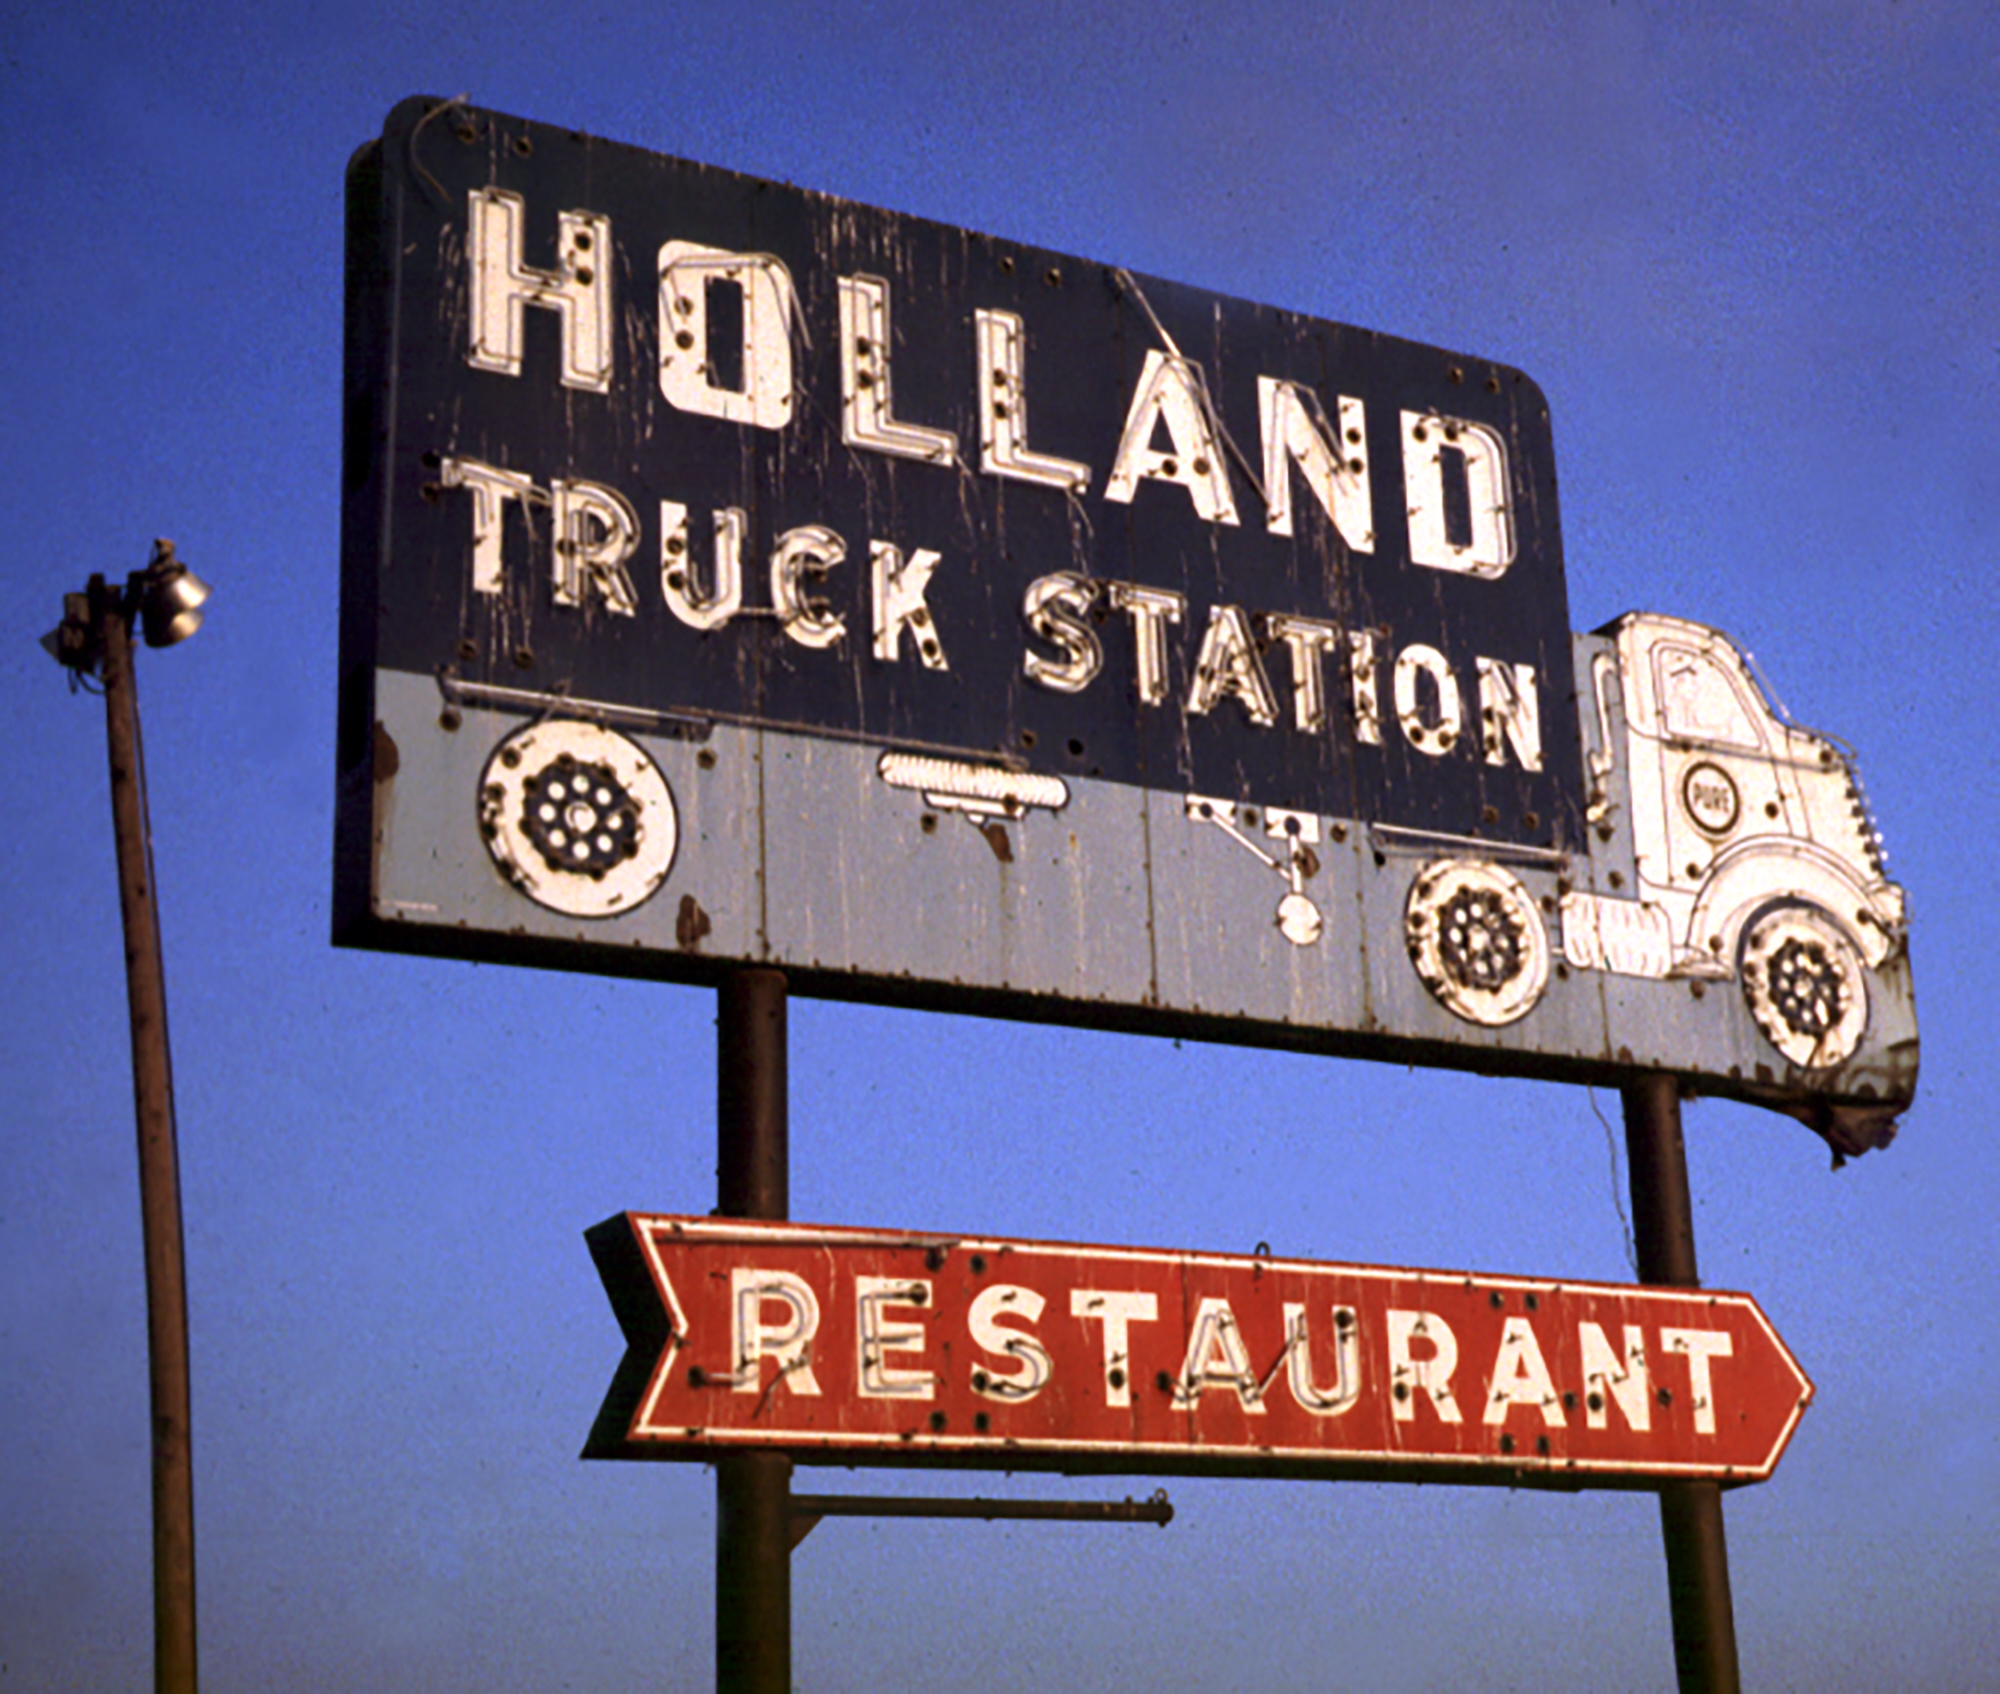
(1749, 877)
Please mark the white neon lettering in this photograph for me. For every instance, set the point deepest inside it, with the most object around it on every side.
(1057, 608)
(578, 290)
(687, 378)
(1436, 448)
(1117, 1311)
(1521, 1377)
(1346, 1389)
(788, 1342)
(1409, 1377)
(596, 532)
(1699, 1346)
(1308, 640)
(1002, 343)
(1433, 737)
(1217, 1358)
(1171, 391)
(805, 555)
(492, 489)
(1151, 610)
(1334, 465)
(1033, 1366)
(685, 599)
(866, 411)
(1510, 713)
(1365, 674)
(1228, 665)
(877, 1336)
(900, 585)
(1608, 1377)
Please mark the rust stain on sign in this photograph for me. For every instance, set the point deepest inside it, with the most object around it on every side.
(691, 926)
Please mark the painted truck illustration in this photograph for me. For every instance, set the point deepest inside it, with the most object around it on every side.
(1754, 852)
(1727, 845)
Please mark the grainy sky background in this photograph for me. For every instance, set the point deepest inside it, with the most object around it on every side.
(1749, 253)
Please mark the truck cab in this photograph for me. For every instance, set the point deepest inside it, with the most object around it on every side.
(1727, 843)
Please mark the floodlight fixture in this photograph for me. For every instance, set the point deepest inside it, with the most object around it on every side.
(170, 597)
(164, 600)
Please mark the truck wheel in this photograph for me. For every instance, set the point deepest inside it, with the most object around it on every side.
(1805, 985)
(1477, 941)
(577, 817)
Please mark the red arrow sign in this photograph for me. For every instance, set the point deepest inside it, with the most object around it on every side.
(866, 1347)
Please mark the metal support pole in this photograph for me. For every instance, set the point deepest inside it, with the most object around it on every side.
(159, 1165)
(753, 1535)
(1690, 1512)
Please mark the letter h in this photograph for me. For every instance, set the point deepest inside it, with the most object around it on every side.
(578, 290)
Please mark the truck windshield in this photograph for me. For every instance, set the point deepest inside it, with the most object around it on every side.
(1700, 701)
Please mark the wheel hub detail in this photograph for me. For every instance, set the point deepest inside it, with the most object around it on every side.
(580, 817)
(1477, 941)
(1480, 940)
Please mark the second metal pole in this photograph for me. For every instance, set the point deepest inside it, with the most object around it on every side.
(753, 1491)
(1690, 1512)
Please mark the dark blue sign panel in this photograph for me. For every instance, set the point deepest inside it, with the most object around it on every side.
(656, 434)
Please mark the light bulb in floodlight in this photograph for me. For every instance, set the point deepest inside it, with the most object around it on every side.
(172, 596)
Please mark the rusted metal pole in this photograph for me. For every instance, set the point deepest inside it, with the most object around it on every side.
(753, 1491)
(159, 1163)
(1690, 1512)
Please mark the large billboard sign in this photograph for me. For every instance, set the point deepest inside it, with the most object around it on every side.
(736, 574)
(867, 1347)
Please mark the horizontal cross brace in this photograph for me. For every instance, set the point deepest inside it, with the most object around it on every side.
(808, 1509)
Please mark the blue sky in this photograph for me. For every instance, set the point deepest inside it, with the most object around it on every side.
(1748, 253)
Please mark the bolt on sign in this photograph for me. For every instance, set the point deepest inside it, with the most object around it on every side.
(854, 1346)
(732, 573)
